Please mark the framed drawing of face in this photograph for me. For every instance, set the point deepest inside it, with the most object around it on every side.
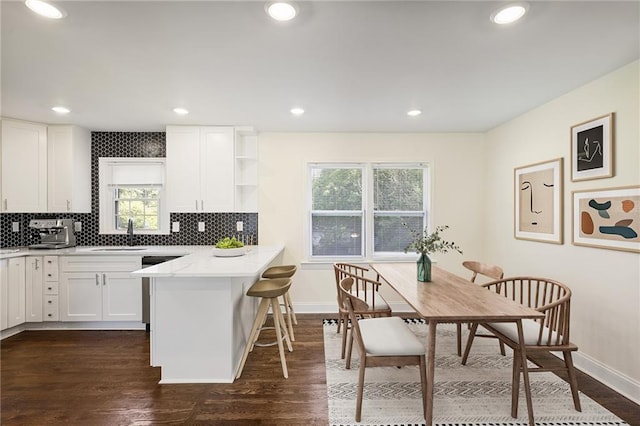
(607, 218)
(592, 149)
(538, 202)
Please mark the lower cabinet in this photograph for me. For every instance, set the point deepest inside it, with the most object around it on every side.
(34, 278)
(12, 292)
(100, 288)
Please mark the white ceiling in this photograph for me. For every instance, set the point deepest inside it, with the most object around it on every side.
(352, 65)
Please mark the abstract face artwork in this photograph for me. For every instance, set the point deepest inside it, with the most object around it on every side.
(536, 201)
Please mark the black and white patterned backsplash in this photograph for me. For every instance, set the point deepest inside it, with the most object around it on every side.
(131, 144)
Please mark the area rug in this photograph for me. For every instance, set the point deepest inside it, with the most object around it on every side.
(478, 393)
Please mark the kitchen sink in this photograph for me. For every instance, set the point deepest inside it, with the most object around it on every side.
(119, 249)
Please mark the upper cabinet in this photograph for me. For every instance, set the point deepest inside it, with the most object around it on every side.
(200, 169)
(246, 169)
(24, 166)
(69, 169)
(45, 168)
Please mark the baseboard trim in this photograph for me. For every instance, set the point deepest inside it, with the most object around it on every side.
(621, 383)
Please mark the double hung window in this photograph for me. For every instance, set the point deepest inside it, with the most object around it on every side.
(365, 210)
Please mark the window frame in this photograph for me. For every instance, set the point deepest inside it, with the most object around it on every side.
(107, 209)
(368, 223)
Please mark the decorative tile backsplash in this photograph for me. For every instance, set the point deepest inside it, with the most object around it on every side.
(131, 144)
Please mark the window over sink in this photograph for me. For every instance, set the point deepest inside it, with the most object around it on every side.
(133, 188)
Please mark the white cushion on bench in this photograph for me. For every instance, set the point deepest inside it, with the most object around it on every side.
(530, 328)
(389, 336)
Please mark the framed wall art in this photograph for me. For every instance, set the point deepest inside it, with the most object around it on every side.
(538, 202)
(592, 149)
(607, 218)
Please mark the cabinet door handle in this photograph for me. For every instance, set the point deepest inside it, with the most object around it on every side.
(49, 302)
(36, 263)
(97, 279)
(49, 315)
(68, 205)
(6, 204)
(104, 279)
(202, 205)
(196, 205)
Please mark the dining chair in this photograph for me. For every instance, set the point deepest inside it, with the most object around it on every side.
(549, 334)
(365, 287)
(382, 341)
(487, 270)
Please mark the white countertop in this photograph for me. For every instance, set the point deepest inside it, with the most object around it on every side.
(7, 253)
(202, 263)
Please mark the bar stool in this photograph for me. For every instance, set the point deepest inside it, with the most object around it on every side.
(284, 271)
(268, 290)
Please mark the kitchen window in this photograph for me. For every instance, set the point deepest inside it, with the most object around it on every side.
(365, 210)
(133, 188)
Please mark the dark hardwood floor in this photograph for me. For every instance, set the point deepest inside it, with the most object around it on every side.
(103, 378)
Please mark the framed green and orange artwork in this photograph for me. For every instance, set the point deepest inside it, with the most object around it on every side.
(607, 218)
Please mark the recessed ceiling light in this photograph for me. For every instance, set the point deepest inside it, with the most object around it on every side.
(414, 113)
(46, 9)
(61, 110)
(180, 111)
(297, 111)
(509, 13)
(282, 10)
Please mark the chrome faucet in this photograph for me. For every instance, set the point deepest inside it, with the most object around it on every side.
(130, 232)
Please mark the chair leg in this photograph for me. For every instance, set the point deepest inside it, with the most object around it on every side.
(288, 311)
(363, 366)
(277, 313)
(345, 331)
(502, 352)
(515, 383)
(340, 319)
(467, 349)
(459, 342)
(423, 382)
(573, 381)
(263, 308)
(291, 310)
(349, 347)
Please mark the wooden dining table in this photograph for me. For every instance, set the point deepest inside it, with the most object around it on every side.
(449, 298)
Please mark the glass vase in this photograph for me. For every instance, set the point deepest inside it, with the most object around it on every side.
(424, 268)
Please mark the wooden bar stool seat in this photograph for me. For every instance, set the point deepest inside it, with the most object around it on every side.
(268, 290)
(284, 271)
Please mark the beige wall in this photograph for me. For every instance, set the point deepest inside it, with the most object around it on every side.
(473, 194)
(457, 162)
(605, 317)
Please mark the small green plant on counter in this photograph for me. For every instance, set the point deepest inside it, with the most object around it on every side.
(229, 243)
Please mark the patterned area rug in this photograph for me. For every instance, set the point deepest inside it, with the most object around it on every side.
(477, 394)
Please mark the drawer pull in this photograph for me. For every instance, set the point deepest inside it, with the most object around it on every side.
(49, 315)
(49, 302)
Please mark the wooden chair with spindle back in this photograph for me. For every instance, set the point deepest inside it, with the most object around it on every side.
(550, 334)
(365, 287)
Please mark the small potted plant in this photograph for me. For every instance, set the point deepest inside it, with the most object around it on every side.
(426, 242)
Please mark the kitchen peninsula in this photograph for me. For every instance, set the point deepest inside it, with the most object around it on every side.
(200, 316)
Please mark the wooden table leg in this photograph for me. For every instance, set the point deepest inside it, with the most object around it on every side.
(431, 355)
(525, 373)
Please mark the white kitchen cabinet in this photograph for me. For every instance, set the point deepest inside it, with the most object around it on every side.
(23, 149)
(4, 292)
(246, 170)
(100, 288)
(200, 169)
(50, 310)
(13, 292)
(69, 169)
(34, 280)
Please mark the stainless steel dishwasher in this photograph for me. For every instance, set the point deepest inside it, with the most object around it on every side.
(146, 302)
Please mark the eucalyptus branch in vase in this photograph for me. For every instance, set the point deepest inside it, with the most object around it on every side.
(424, 243)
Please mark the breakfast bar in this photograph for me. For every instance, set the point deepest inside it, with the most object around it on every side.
(200, 317)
